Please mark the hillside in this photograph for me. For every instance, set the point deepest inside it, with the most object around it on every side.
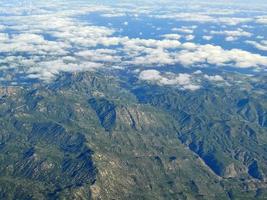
(90, 135)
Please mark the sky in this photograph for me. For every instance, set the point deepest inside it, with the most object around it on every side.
(170, 42)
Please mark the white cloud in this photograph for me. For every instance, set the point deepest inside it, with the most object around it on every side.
(153, 57)
(183, 29)
(3, 37)
(215, 55)
(195, 17)
(261, 19)
(182, 80)
(205, 18)
(99, 55)
(77, 45)
(191, 87)
(232, 35)
(236, 33)
(150, 43)
(189, 37)
(233, 21)
(149, 52)
(198, 72)
(2, 27)
(47, 70)
(207, 37)
(44, 58)
(262, 45)
(32, 43)
(260, 37)
(188, 46)
(112, 14)
(216, 78)
(172, 36)
(157, 53)
(150, 75)
(231, 38)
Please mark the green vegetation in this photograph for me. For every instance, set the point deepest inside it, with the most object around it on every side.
(93, 136)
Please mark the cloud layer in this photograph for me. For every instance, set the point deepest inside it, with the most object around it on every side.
(39, 41)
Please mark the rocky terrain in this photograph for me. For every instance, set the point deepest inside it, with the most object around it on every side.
(91, 136)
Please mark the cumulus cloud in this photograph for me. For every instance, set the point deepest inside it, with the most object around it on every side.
(198, 72)
(149, 52)
(151, 43)
(3, 37)
(150, 75)
(233, 21)
(261, 19)
(33, 44)
(99, 55)
(195, 17)
(113, 14)
(184, 81)
(262, 45)
(205, 18)
(230, 38)
(232, 35)
(189, 37)
(216, 55)
(43, 48)
(47, 70)
(153, 57)
(207, 37)
(184, 29)
(172, 36)
(190, 54)
(216, 78)
(2, 27)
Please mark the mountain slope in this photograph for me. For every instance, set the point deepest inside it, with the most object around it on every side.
(89, 135)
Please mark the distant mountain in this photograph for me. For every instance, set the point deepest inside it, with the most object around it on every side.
(94, 136)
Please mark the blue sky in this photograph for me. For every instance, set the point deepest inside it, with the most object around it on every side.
(178, 43)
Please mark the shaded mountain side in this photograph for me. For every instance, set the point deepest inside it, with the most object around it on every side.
(88, 136)
(225, 129)
(106, 112)
(48, 157)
